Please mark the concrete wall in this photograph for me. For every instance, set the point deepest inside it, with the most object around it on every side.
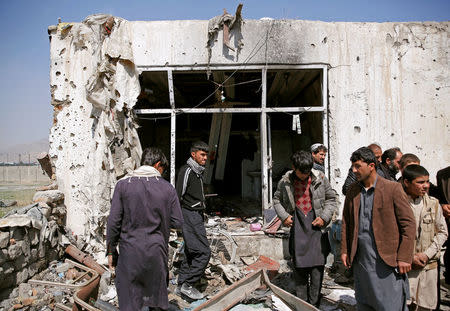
(388, 82)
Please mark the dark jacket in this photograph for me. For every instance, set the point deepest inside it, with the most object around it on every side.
(190, 189)
(351, 178)
(393, 222)
(143, 210)
(323, 197)
(384, 172)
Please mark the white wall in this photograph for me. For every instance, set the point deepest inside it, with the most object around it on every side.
(388, 82)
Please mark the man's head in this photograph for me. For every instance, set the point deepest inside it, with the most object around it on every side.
(154, 157)
(302, 163)
(363, 163)
(391, 159)
(199, 152)
(377, 151)
(318, 152)
(416, 180)
(408, 159)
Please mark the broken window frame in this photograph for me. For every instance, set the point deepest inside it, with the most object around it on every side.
(266, 162)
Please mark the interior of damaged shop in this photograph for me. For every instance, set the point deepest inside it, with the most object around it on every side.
(228, 109)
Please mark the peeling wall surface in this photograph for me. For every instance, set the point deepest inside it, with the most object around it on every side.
(387, 83)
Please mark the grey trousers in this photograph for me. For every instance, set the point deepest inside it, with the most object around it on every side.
(308, 284)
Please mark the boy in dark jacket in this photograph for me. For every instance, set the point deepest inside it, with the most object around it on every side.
(192, 198)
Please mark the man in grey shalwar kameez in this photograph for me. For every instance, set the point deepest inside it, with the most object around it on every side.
(378, 232)
(143, 209)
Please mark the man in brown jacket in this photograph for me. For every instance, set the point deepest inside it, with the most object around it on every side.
(378, 232)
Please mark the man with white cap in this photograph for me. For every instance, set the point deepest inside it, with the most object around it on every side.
(319, 152)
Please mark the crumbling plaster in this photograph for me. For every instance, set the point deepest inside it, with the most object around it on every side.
(387, 82)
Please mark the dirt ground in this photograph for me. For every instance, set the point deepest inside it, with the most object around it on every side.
(22, 193)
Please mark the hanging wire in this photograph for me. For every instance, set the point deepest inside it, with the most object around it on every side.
(252, 54)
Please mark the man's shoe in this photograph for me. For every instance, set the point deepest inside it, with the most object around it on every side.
(190, 291)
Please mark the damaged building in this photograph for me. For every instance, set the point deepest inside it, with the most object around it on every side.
(255, 90)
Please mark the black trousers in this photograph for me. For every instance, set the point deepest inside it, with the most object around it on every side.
(196, 248)
(308, 284)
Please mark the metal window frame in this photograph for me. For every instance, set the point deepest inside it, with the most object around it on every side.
(263, 111)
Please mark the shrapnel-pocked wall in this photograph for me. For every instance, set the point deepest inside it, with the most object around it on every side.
(387, 83)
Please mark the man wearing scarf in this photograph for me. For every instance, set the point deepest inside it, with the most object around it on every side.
(143, 209)
(305, 202)
(196, 246)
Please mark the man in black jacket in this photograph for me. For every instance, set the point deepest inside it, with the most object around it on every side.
(390, 166)
(192, 198)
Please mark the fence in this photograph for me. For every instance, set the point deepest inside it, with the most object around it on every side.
(22, 174)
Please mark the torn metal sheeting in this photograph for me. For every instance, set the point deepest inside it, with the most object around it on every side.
(232, 295)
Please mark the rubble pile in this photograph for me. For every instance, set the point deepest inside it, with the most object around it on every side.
(30, 237)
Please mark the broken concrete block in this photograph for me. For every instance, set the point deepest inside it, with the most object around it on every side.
(22, 276)
(14, 251)
(7, 203)
(24, 290)
(15, 221)
(4, 239)
(50, 196)
(35, 213)
(52, 186)
(46, 211)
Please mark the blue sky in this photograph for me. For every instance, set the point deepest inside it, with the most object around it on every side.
(25, 110)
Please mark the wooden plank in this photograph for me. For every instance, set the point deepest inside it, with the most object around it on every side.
(223, 145)
(213, 141)
(225, 127)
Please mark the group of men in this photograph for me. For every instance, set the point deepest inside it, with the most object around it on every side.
(392, 231)
(144, 208)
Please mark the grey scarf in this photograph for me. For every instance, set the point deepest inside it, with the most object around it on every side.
(197, 168)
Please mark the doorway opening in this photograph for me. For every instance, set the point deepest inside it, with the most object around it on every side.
(247, 117)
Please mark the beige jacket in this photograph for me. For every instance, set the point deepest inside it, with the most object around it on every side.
(431, 229)
(431, 233)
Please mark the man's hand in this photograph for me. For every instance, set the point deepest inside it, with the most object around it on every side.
(346, 261)
(288, 221)
(111, 263)
(403, 267)
(420, 260)
(318, 222)
(446, 210)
